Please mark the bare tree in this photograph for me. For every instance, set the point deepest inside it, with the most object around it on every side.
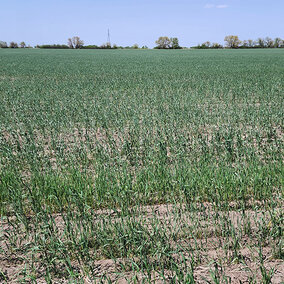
(260, 42)
(244, 43)
(232, 41)
(277, 42)
(3, 44)
(268, 42)
(250, 43)
(70, 43)
(23, 44)
(13, 44)
(75, 42)
(163, 42)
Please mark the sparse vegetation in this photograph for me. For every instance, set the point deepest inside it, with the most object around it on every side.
(145, 166)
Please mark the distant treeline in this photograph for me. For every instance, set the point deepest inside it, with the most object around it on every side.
(233, 41)
(64, 46)
(164, 42)
(114, 46)
(3, 44)
(53, 46)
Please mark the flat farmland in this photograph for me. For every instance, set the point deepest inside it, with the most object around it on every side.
(141, 166)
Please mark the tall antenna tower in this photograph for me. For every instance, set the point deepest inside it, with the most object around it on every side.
(108, 38)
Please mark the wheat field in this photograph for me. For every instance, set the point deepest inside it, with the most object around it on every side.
(141, 166)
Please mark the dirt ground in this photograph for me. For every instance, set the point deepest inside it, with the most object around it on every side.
(245, 269)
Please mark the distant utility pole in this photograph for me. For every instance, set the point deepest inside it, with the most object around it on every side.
(108, 38)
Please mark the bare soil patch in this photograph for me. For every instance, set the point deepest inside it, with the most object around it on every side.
(199, 241)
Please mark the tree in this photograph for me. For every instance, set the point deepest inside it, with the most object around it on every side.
(245, 44)
(277, 42)
(216, 45)
(232, 41)
(206, 44)
(251, 43)
(13, 44)
(70, 43)
(106, 46)
(75, 42)
(268, 42)
(22, 44)
(53, 46)
(260, 42)
(163, 42)
(135, 46)
(174, 43)
(3, 44)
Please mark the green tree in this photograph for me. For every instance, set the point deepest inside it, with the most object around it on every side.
(277, 42)
(206, 44)
(216, 45)
(23, 44)
(174, 43)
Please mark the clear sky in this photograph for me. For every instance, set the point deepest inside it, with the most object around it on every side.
(139, 21)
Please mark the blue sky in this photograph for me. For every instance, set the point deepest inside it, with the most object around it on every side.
(139, 21)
